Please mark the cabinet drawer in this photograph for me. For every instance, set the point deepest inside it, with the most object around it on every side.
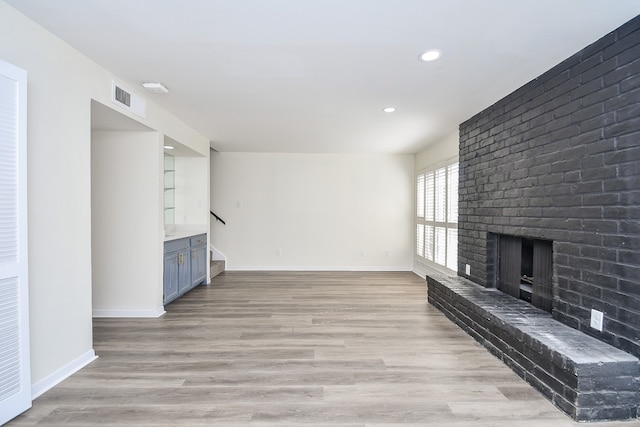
(199, 240)
(176, 245)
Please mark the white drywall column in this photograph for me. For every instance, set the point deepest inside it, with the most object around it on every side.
(127, 223)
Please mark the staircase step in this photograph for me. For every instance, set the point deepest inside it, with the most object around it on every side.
(217, 267)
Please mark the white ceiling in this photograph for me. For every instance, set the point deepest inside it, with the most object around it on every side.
(314, 75)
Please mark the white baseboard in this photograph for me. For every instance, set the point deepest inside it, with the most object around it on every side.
(102, 312)
(61, 374)
(316, 268)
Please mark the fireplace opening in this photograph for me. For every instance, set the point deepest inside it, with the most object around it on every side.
(525, 269)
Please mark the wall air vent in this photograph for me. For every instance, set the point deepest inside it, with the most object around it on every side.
(122, 96)
(128, 100)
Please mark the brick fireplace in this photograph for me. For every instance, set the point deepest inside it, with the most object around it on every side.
(558, 162)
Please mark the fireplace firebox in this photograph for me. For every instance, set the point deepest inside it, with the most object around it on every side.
(524, 269)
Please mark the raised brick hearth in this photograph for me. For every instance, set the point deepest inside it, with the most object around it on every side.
(587, 378)
(558, 161)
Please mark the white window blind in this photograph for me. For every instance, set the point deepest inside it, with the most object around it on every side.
(440, 245)
(452, 194)
(437, 216)
(420, 204)
(452, 249)
(428, 196)
(429, 237)
(420, 240)
(440, 190)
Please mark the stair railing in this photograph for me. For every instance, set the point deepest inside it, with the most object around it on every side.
(218, 218)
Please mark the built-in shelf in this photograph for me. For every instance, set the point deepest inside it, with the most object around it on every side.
(169, 189)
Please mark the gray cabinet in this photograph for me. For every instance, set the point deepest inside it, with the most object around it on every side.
(184, 265)
(198, 259)
(184, 271)
(170, 277)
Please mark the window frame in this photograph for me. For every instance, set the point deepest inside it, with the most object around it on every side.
(426, 246)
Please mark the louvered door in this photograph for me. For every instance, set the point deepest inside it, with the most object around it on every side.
(542, 295)
(510, 253)
(15, 381)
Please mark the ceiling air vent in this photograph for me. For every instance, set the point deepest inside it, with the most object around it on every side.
(128, 100)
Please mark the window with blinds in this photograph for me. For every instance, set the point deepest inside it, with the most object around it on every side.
(437, 216)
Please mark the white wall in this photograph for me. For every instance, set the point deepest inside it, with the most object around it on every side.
(61, 84)
(435, 155)
(439, 152)
(127, 223)
(192, 190)
(313, 211)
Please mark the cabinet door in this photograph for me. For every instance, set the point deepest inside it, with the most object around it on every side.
(170, 277)
(198, 265)
(184, 271)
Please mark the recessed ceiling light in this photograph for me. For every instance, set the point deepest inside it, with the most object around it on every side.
(430, 55)
(155, 87)
(169, 147)
(389, 109)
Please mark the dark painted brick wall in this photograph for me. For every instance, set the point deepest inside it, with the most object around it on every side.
(559, 159)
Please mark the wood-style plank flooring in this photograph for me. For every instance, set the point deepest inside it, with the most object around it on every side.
(295, 349)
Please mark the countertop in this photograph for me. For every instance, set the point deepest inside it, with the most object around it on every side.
(181, 232)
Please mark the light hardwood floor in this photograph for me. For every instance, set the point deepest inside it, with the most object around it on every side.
(295, 349)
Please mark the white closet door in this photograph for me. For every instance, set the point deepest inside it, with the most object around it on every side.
(15, 379)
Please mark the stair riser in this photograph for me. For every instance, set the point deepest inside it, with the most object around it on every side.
(217, 267)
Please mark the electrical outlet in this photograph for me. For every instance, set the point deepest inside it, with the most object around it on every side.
(387, 253)
(467, 269)
(597, 320)
(278, 252)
